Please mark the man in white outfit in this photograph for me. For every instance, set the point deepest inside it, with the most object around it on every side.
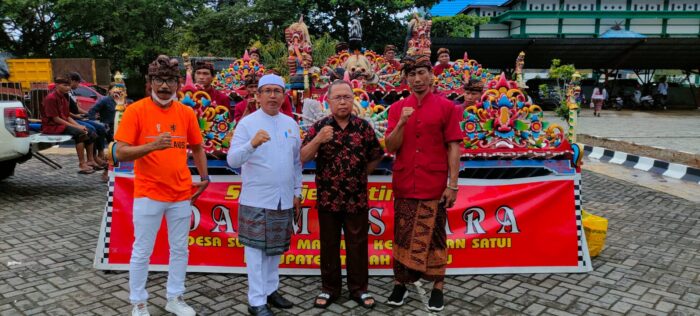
(266, 147)
(155, 133)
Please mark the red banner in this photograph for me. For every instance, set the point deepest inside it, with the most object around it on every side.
(502, 226)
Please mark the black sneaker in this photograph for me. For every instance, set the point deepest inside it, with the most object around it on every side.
(398, 295)
(436, 302)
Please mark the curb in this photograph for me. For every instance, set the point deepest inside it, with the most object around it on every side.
(664, 168)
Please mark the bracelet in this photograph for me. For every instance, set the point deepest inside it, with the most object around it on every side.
(453, 188)
(202, 179)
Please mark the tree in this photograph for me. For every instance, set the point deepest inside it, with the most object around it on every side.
(228, 27)
(460, 25)
(563, 74)
(133, 32)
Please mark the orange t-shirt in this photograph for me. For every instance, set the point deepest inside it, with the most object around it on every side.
(162, 175)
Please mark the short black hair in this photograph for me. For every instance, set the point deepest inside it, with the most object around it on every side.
(74, 76)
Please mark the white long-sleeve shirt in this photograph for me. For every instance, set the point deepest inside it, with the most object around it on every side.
(271, 173)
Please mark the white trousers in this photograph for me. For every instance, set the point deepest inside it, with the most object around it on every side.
(263, 275)
(148, 215)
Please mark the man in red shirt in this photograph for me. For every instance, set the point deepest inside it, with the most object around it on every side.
(56, 119)
(203, 77)
(443, 61)
(424, 133)
(390, 56)
(472, 92)
(248, 105)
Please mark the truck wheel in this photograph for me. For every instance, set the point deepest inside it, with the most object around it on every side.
(7, 168)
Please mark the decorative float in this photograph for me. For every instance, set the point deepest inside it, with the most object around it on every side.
(518, 208)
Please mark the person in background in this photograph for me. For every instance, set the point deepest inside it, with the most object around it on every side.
(598, 98)
(443, 61)
(662, 91)
(104, 111)
(95, 152)
(203, 76)
(472, 92)
(56, 120)
(248, 105)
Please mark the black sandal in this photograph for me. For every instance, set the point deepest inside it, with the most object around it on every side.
(324, 296)
(362, 300)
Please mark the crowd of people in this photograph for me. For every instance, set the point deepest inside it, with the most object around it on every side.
(155, 133)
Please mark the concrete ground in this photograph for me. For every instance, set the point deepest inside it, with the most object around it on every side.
(49, 223)
(674, 130)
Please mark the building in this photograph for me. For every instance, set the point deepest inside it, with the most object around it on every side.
(578, 18)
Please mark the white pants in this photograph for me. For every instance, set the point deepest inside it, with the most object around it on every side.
(148, 215)
(263, 275)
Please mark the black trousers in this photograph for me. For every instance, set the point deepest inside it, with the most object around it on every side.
(355, 227)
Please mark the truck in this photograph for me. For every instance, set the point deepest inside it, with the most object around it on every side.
(14, 137)
(29, 70)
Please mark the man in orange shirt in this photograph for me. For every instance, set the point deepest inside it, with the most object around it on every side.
(155, 133)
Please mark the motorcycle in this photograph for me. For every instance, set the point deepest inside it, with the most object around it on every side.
(618, 103)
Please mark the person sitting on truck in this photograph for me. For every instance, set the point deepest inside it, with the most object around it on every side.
(55, 120)
(98, 162)
(104, 111)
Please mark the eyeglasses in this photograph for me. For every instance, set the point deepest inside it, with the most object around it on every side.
(272, 91)
(171, 81)
(347, 98)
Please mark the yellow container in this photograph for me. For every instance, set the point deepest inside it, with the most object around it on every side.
(26, 71)
(596, 229)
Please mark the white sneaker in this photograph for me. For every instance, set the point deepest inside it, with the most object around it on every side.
(140, 309)
(178, 307)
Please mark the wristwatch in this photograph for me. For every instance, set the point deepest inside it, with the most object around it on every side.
(202, 179)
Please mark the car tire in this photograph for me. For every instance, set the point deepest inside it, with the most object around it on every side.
(7, 168)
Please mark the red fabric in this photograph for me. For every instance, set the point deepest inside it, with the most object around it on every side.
(240, 109)
(218, 96)
(420, 169)
(54, 105)
(395, 63)
(440, 68)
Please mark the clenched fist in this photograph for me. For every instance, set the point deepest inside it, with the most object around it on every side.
(325, 134)
(405, 114)
(260, 138)
(163, 141)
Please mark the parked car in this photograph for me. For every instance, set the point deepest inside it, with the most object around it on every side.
(547, 100)
(14, 137)
(87, 94)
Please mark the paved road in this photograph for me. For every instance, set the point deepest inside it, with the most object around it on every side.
(49, 222)
(676, 130)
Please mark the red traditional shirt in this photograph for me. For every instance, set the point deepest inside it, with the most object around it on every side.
(240, 108)
(437, 70)
(420, 168)
(219, 97)
(54, 105)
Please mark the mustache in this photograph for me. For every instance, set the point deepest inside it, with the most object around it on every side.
(163, 90)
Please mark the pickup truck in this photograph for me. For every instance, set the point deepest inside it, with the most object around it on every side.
(14, 137)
